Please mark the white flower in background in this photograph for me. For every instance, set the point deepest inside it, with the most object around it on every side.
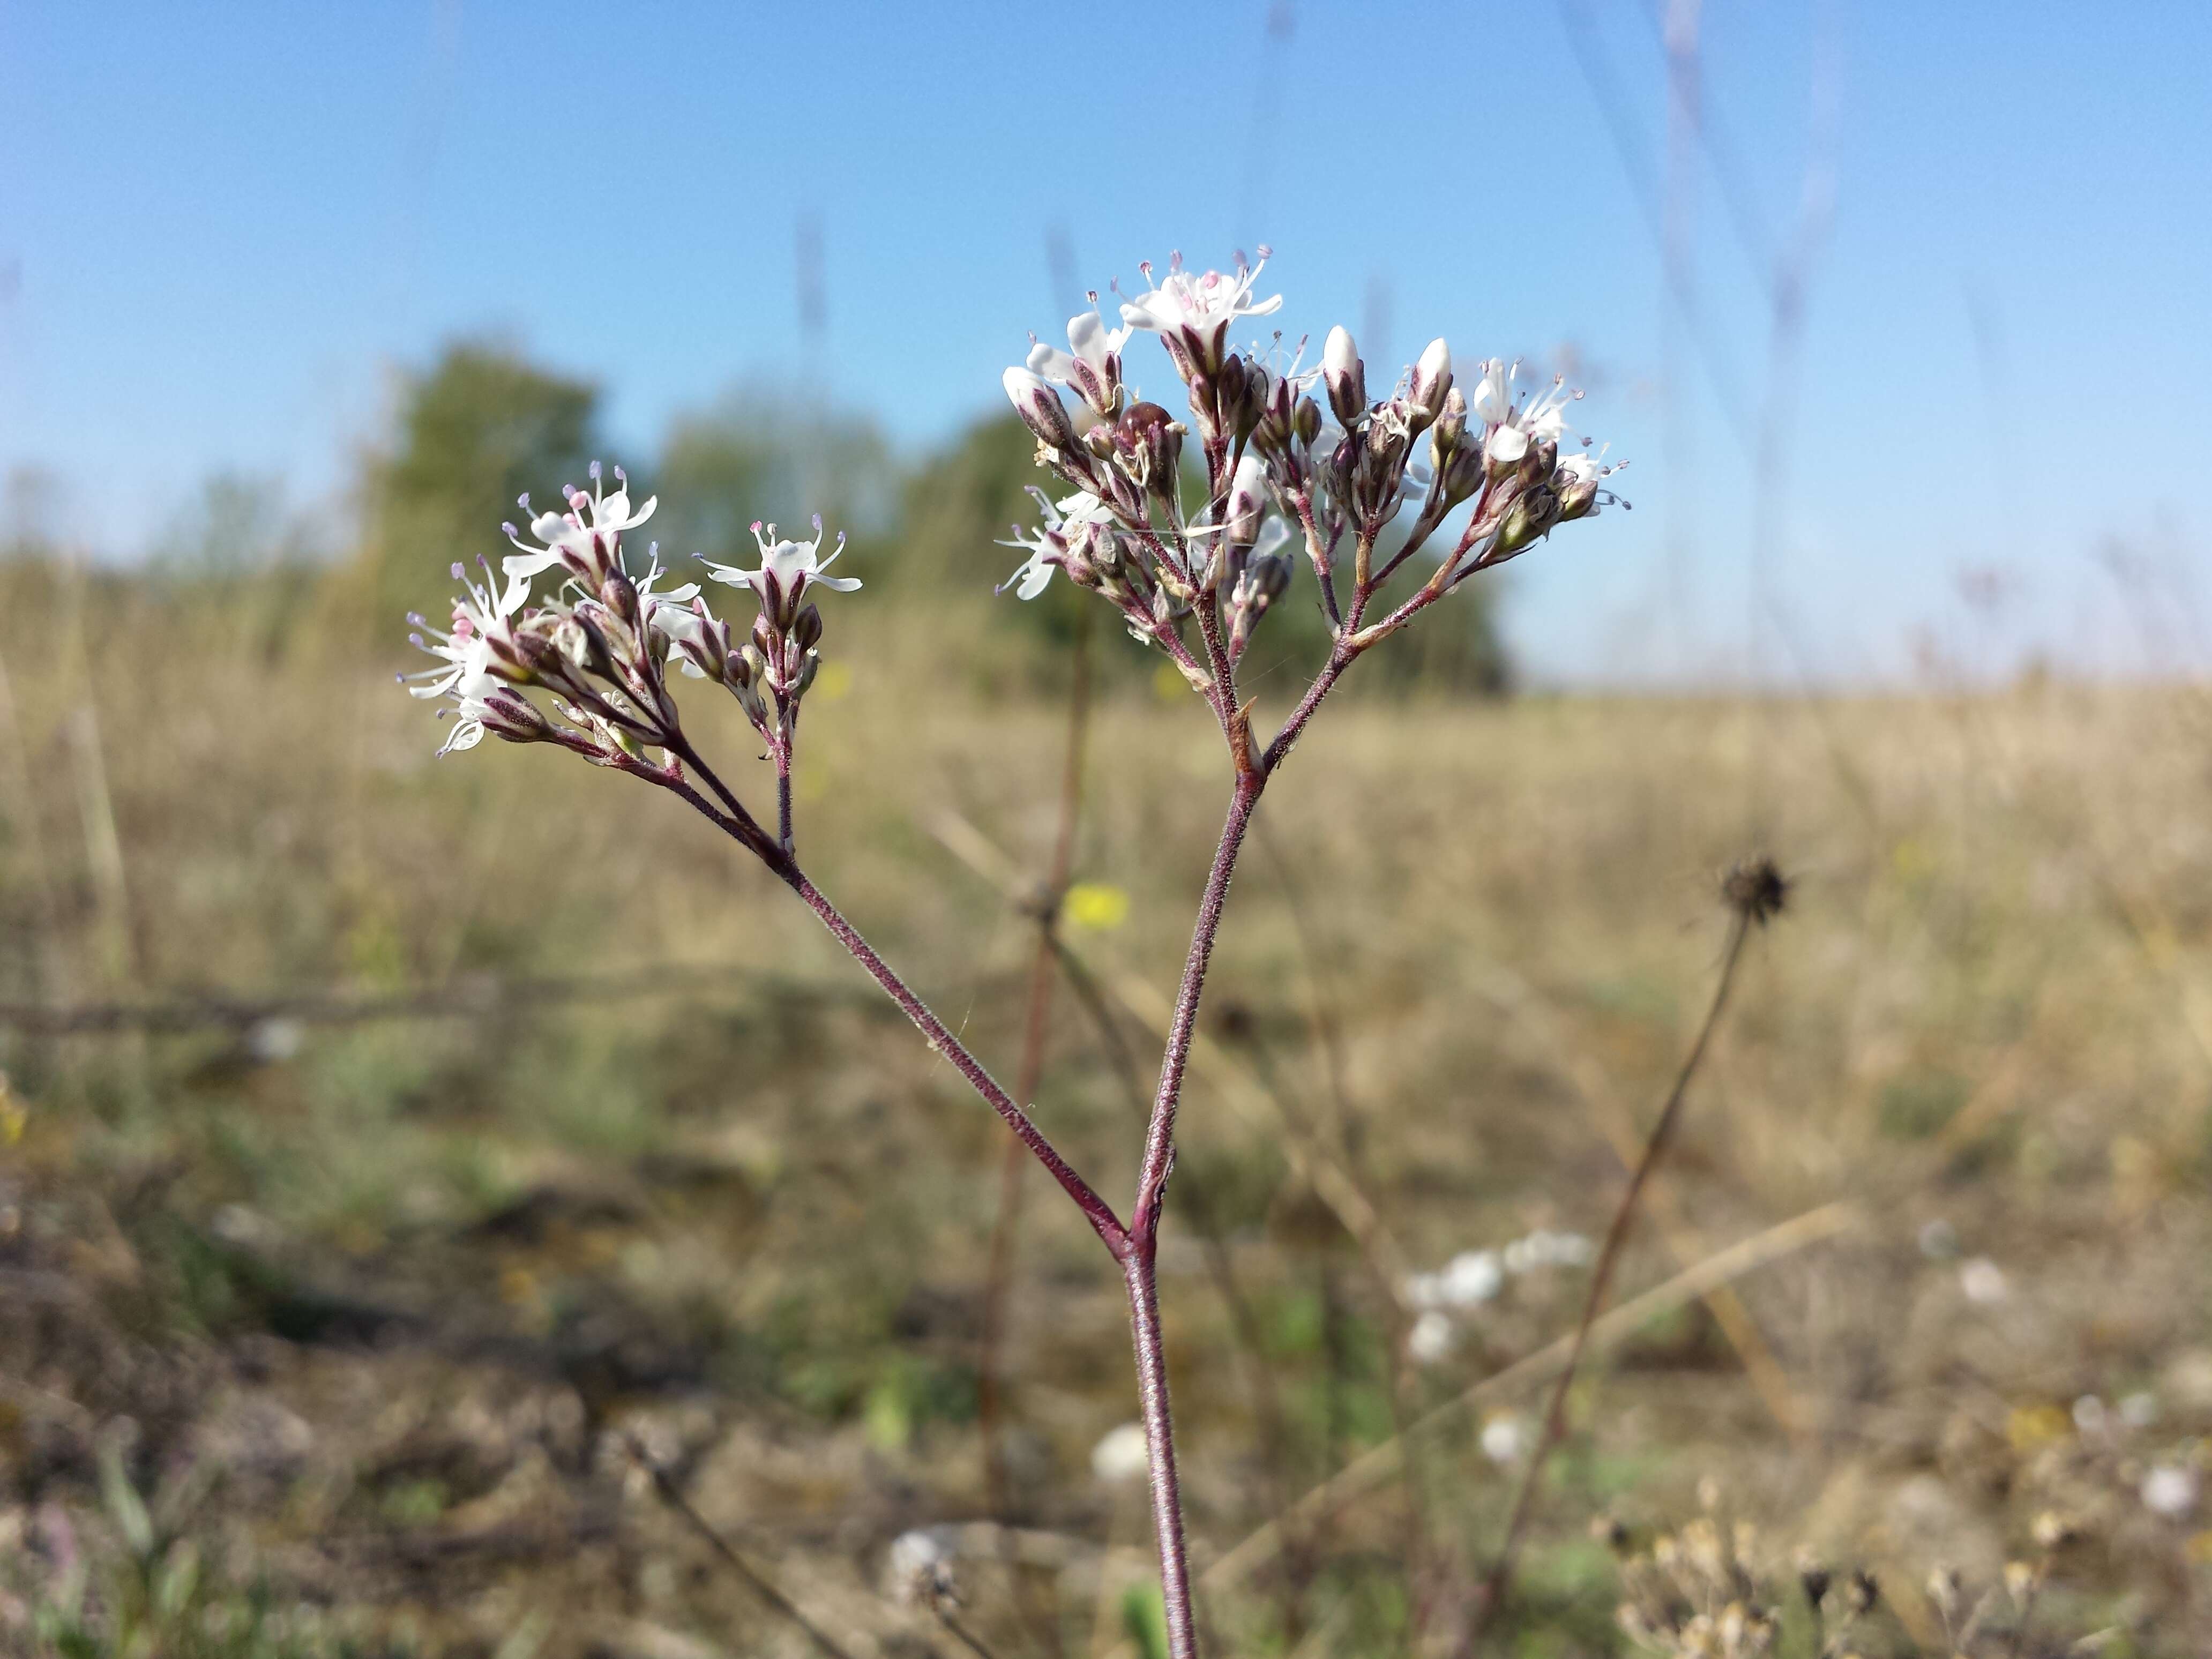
(1504, 1439)
(787, 570)
(919, 1564)
(1431, 1340)
(1121, 1455)
(2090, 1416)
(2171, 1490)
(1468, 1280)
(583, 538)
(1544, 1249)
(1472, 1277)
(2139, 1411)
(1092, 366)
(1193, 313)
(1983, 1281)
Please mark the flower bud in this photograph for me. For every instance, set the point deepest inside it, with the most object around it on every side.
(1534, 511)
(807, 628)
(507, 715)
(1150, 445)
(1040, 408)
(807, 670)
(1269, 575)
(619, 594)
(1461, 476)
(743, 674)
(1345, 375)
(1431, 380)
(1450, 431)
(1307, 422)
(1248, 501)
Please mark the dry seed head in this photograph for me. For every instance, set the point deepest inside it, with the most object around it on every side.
(1813, 1580)
(1611, 1531)
(1756, 890)
(1862, 1594)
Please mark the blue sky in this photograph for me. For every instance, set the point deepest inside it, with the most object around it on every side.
(221, 228)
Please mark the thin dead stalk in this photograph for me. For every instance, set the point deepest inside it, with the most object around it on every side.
(1373, 1468)
(1754, 891)
(672, 1495)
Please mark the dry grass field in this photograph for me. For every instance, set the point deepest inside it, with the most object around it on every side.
(568, 1135)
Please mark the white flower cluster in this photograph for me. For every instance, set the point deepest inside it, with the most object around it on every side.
(1474, 1276)
(599, 643)
(1279, 465)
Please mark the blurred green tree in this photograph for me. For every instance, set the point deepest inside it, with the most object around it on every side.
(479, 428)
(755, 457)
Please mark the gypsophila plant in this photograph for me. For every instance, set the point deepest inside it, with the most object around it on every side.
(1192, 557)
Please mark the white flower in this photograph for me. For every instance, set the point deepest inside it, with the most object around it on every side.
(787, 570)
(1121, 1455)
(1092, 366)
(465, 653)
(2089, 1414)
(1431, 1338)
(1472, 1277)
(583, 538)
(1983, 1281)
(1194, 312)
(919, 1564)
(1542, 417)
(1468, 1280)
(666, 612)
(1542, 1249)
(2170, 1490)
(1504, 1439)
(2139, 1411)
(1065, 524)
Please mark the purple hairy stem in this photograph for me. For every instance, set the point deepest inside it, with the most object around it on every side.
(1145, 1227)
(1095, 1209)
(740, 827)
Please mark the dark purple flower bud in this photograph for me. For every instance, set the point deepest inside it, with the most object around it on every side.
(1040, 408)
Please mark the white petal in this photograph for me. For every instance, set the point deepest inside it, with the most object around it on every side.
(1051, 363)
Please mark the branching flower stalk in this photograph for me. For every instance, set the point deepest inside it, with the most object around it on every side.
(1192, 557)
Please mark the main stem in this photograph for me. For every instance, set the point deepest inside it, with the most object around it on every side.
(1139, 1264)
